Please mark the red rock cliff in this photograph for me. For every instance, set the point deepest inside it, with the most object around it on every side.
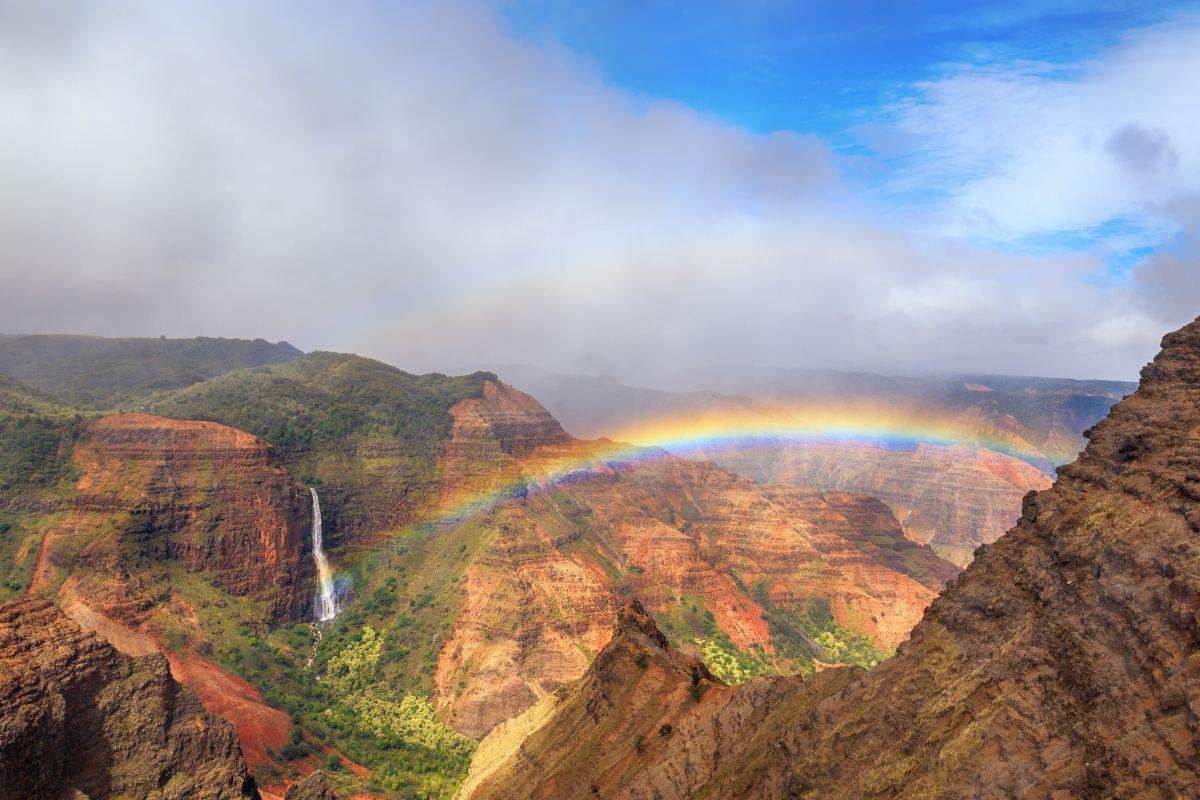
(212, 497)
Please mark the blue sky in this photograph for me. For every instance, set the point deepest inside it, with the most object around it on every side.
(838, 71)
(815, 67)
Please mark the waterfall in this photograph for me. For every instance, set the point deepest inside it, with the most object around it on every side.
(326, 599)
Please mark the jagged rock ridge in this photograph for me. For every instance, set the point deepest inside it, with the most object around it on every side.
(80, 720)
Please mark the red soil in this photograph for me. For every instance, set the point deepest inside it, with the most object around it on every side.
(260, 727)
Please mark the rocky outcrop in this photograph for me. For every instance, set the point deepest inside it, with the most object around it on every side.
(953, 498)
(716, 554)
(210, 497)
(314, 787)
(490, 436)
(80, 720)
(515, 421)
(640, 703)
(1062, 663)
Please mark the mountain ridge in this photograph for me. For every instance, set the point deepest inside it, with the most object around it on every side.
(99, 372)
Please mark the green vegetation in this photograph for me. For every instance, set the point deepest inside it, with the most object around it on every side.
(801, 635)
(727, 662)
(365, 707)
(99, 373)
(365, 693)
(326, 399)
(36, 435)
(21, 535)
(34, 450)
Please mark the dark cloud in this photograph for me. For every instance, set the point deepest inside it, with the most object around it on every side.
(1170, 279)
(1142, 151)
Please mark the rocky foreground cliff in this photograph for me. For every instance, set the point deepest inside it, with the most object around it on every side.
(1064, 663)
(80, 720)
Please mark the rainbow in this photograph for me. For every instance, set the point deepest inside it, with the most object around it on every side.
(692, 435)
(683, 434)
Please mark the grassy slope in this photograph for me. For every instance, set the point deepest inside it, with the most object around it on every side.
(36, 476)
(96, 372)
(326, 399)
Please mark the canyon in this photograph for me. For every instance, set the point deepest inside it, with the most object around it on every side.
(1061, 663)
(721, 556)
(484, 551)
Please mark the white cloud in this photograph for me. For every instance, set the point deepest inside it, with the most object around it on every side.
(1035, 149)
(407, 181)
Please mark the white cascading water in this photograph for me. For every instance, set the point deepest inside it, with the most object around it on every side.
(326, 599)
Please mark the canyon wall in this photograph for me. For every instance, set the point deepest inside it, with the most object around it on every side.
(953, 498)
(209, 497)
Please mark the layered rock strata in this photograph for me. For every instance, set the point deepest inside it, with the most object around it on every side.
(953, 498)
(213, 498)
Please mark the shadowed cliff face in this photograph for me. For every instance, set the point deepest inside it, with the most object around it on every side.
(719, 555)
(79, 719)
(155, 490)
(1063, 663)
